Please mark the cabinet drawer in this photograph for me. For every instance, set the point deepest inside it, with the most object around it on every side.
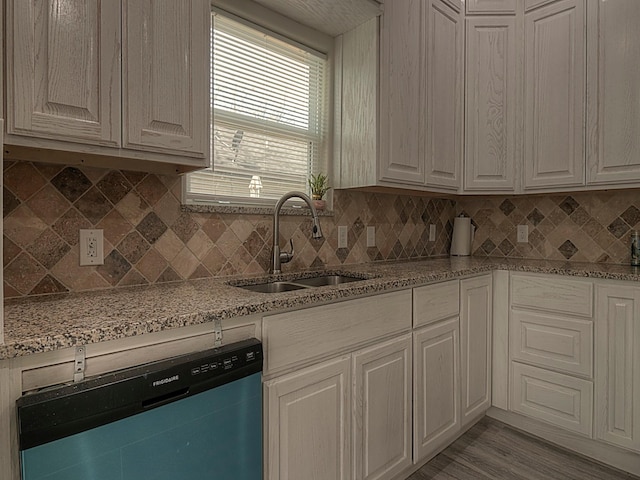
(553, 397)
(294, 338)
(549, 341)
(435, 302)
(552, 293)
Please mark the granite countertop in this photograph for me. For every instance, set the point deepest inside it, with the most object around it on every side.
(42, 324)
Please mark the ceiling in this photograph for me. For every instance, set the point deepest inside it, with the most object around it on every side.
(332, 17)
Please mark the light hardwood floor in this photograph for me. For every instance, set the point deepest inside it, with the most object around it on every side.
(493, 450)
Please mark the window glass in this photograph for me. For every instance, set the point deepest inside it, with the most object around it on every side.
(268, 110)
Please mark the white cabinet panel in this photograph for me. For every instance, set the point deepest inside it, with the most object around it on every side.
(500, 340)
(296, 337)
(490, 6)
(552, 293)
(554, 89)
(553, 397)
(435, 302)
(475, 346)
(63, 75)
(613, 92)
(491, 97)
(401, 65)
(436, 391)
(166, 76)
(443, 90)
(382, 409)
(618, 365)
(564, 344)
(308, 427)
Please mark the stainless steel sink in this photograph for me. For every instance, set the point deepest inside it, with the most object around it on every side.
(272, 287)
(298, 284)
(324, 280)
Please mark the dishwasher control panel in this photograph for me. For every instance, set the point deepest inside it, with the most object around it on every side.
(226, 362)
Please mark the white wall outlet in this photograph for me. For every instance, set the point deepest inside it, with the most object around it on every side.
(432, 233)
(91, 247)
(523, 233)
(342, 236)
(371, 237)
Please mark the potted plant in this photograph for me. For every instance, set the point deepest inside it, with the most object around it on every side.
(319, 184)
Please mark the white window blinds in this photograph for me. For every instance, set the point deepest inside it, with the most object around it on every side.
(268, 109)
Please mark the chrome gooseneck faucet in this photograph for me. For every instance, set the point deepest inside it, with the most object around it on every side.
(316, 232)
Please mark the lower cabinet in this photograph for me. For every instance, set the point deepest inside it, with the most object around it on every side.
(475, 346)
(382, 409)
(345, 418)
(559, 399)
(617, 415)
(309, 418)
(436, 387)
(573, 363)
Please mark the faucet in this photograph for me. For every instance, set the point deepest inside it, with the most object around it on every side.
(316, 232)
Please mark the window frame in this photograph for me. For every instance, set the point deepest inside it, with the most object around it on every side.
(302, 37)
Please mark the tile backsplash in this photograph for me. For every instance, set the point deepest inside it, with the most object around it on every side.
(582, 227)
(149, 238)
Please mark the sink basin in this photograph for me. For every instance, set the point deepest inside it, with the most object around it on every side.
(324, 280)
(273, 287)
(298, 284)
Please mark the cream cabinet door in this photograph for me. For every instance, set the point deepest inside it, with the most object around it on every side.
(63, 70)
(401, 65)
(491, 6)
(308, 423)
(613, 92)
(382, 409)
(443, 94)
(491, 97)
(561, 400)
(475, 346)
(166, 76)
(554, 95)
(436, 390)
(617, 375)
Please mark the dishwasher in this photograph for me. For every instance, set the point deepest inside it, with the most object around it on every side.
(196, 416)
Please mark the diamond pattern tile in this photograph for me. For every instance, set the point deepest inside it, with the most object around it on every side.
(592, 226)
(149, 238)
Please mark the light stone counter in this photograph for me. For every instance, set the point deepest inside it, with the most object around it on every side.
(59, 321)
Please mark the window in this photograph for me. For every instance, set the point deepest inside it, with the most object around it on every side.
(268, 110)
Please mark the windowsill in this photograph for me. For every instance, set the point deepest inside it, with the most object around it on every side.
(251, 210)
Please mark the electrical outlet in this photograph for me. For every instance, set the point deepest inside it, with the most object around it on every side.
(342, 236)
(523, 233)
(371, 236)
(91, 247)
(432, 233)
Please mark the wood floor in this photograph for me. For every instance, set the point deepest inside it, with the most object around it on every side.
(493, 450)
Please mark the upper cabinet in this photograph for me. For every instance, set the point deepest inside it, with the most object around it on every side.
(419, 89)
(401, 65)
(163, 74)
(67, 60)
(442, 106)
(491, 6)
(613, 92)
(491, 98)
(554, 95)
(63, 75)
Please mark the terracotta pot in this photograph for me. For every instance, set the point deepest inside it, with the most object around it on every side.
(319, 204)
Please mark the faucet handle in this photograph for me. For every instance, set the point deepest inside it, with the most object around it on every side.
(286, 257)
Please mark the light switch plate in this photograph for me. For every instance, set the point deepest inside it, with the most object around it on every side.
(371, 236)
(342, 236)
(432, 233)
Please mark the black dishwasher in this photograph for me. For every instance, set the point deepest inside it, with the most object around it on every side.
(196, 416)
